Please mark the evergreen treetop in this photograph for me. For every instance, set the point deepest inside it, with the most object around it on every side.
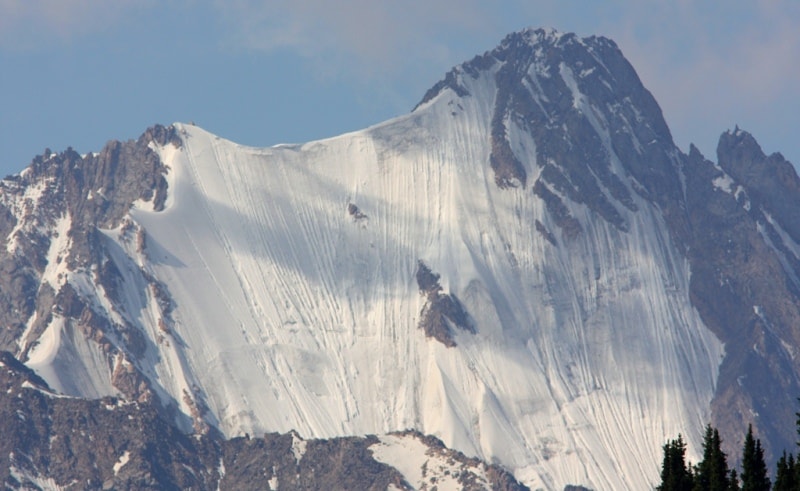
(754, 470)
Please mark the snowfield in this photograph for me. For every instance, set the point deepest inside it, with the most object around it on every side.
(292, 313)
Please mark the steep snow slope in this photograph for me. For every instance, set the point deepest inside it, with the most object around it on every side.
(290, 313)
(276, 290)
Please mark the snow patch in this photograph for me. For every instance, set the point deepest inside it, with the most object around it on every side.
(53, 358)
(221, 471)
(46, 348)
(791, 350)
(56, 272)
(724, 183)
(424, 467)
(29, 479)
(27, 385)
(123, 459)
(578, 98)
(298, 447)
(787, 239)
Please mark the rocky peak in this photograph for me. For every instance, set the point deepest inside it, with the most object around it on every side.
(601, 143)
(771, 181)
(599, 135)
(51, 220)
(742, 215)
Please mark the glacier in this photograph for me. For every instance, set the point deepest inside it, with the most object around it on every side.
(290, 312)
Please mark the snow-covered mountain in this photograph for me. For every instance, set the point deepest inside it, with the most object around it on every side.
(525, 266)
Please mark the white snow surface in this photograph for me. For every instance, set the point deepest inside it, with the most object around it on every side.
(424, 467)
(292, 315)
(69, 362)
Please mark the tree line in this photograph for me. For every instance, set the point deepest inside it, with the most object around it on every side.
(713, 474)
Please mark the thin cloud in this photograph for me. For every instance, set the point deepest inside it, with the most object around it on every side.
(34, 24)
(756, 58)
(374, 36)
(711, 68)
(710, 65)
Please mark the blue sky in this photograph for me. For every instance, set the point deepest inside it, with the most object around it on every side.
(80, 72)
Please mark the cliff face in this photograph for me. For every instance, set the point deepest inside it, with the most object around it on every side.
(744, 259)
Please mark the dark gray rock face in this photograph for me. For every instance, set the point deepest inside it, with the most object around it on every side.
(571, 95)
(100, 444)
(745, 285)
(772, 182)
(441, 310)
(88, 193)
(344, 463)
(95, 190)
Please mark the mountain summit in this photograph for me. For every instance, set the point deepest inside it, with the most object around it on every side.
(524, 266)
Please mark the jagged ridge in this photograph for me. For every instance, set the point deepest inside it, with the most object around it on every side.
(55, 441)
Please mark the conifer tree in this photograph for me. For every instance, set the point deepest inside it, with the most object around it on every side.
(754, 470)
(675, 473)
(797, 426)
(785, 479)
(794, 468)
(711, 473)
(733, 481)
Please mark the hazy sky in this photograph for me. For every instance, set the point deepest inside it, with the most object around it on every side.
(80, 72)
